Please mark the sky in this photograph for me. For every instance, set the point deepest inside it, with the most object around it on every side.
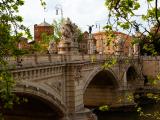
(81, 12)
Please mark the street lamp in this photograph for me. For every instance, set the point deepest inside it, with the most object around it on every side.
(58, 8)
(98, 25)
(101, 42)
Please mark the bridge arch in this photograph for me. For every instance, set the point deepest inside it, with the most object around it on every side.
(131, 76)
(98, 70)
(41, 105)
(100, 88)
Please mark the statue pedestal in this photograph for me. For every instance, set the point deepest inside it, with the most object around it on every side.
(66, 47)
(119, 42)
(136, 49)
(74, 48)
(130, 53)
(91, 46)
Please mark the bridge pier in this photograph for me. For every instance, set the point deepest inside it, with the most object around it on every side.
(84, 114)
(124, 98)
(65, 118)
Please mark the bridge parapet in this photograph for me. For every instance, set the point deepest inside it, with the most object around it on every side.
(34, 59)
(50, 58)
(151, 65)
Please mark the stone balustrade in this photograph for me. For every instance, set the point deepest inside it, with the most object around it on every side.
(34, 59)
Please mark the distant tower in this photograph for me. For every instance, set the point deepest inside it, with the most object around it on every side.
(44, 27)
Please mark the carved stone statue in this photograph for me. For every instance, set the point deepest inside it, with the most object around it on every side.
(68, 29)
(90, 28)
(68, 43)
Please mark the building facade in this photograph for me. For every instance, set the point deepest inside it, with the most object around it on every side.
(42, 28)
(83, 44)
(106, 44)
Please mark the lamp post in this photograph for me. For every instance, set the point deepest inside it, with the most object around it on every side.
(98, 25)
(58, 8)
(101, 48)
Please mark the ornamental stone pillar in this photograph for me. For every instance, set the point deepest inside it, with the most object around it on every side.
(130, 51)
(119, 45)
(91, 45)
(136, 47)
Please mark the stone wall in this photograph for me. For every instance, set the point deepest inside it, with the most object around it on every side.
(151, 65)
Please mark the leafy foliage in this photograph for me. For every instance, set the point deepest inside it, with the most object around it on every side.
(136, 15)
(10, 25)
(6, 85)
(109, 63)
(104, 108)
(80, 35)
(57, 32)
(11, 30)
(142, 17)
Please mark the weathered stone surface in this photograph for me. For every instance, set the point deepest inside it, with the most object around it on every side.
(70, 84)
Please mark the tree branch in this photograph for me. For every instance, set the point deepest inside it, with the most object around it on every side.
(156, 11)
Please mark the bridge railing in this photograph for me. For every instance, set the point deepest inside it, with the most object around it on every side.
(150, 57)
(35, 59)
(140, 88)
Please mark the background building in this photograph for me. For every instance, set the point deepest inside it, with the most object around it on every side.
(83, 44)
(44, 27)
(23, 43)
(105, 44)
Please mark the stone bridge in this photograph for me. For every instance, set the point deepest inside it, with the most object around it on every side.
(64, 87)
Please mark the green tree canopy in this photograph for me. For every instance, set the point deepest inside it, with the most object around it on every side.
(11, 30)
(57, 32)
(136, 15)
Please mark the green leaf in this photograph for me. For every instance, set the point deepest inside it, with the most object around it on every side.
(104, 108)
(149, 0)
(136, 6)
(125, 25)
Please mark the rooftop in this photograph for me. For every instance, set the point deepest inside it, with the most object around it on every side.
(44, 23)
